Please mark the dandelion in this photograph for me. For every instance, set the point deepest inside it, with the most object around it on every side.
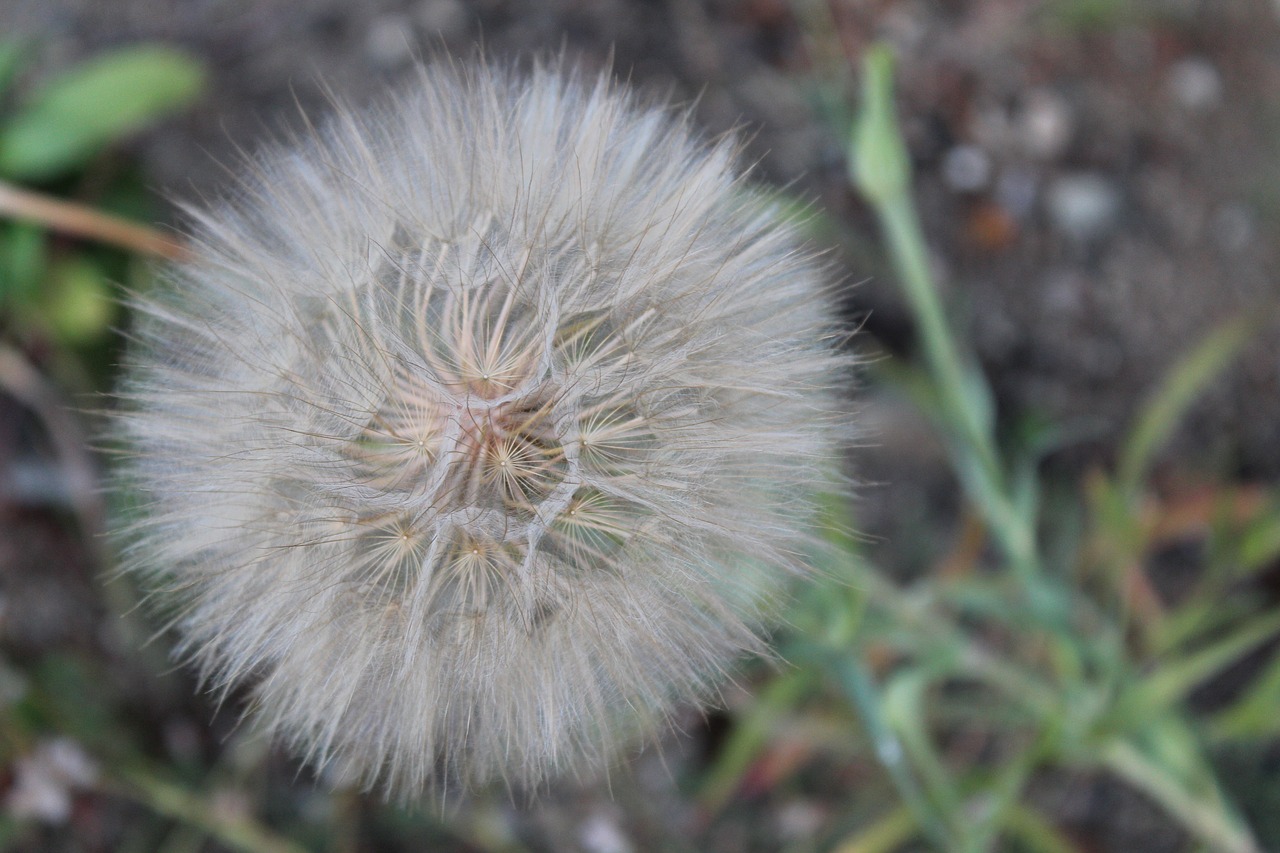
(482, 430)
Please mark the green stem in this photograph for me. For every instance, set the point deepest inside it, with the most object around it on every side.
(910, 259)
(886, 835)
(1201, 815)
(1025, 688)
(860, 689)
(881, 169)
(955, 383)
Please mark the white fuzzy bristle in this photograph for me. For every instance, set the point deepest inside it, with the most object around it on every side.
(481, 428)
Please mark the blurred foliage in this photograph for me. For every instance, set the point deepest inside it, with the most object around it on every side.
(1045, 641)
(59, 137)
(61, 126)
(1058, 649)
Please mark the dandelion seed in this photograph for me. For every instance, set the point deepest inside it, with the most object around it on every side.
(481, 430)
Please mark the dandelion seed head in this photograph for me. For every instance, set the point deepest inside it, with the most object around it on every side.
(482, 430)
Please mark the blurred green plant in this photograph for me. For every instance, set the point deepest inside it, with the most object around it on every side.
(52, 140)
(62, 125)
(1050, 654)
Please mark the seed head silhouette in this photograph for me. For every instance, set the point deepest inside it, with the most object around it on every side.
(481, 430)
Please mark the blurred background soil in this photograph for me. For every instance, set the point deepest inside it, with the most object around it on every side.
(1099, 182)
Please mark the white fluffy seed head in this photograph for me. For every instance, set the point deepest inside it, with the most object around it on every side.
(481, 429)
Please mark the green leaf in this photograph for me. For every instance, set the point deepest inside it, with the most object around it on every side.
(1170, 402)
(94, 105)
(996, 805)
(1204, 614)
(1010, 605)
(1256, 714)
(903, 707)
(1172, 681)
(1186, 789)
(855, 682)
(885, 835)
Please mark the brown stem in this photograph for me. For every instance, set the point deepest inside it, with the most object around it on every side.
(80, 221)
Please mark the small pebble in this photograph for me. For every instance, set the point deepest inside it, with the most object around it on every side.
(600, 834)
(966, 168)
(1083, 206)
(47, 778)
(1195, 83)
(990, 227)
(800, 820)
(1045, 124)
